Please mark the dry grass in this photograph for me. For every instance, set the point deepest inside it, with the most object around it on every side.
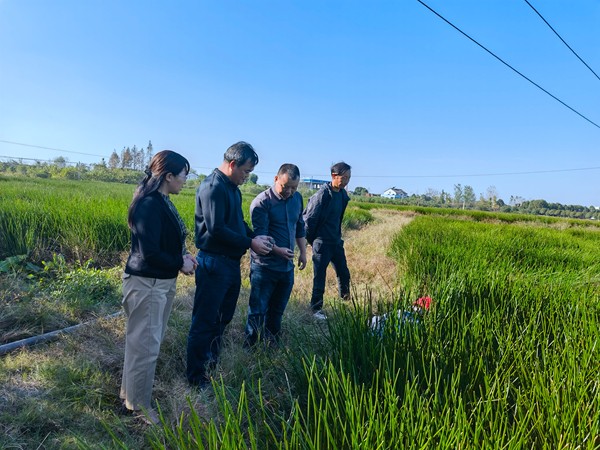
(366, 251)
(38, 385)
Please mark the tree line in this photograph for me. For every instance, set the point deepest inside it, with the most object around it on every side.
(131, 158)
(464, 197)
(123, 167)
(126, 166)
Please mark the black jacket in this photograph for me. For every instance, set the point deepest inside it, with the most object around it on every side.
(156, 240)
(317, 212)
(220, 226)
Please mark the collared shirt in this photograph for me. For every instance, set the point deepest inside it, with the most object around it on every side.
(219, 225)
(280, 218)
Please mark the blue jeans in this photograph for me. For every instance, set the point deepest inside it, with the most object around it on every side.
(269, 296)
(218, 282)
(323, 254)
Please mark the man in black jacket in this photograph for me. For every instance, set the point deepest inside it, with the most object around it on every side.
(323, 218)
(222, 238)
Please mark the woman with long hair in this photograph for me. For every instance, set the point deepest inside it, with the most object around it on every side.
(157, 255)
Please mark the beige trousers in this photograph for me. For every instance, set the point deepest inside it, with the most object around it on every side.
(147, 303)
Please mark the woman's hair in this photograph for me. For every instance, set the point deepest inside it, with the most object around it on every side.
(162, 163)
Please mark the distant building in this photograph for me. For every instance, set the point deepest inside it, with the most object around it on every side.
(394, 193)
(312, 183)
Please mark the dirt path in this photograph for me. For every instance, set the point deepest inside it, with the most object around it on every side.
(366, 251)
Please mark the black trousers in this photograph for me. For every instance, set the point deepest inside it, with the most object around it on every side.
(323, 254)
(218, 283)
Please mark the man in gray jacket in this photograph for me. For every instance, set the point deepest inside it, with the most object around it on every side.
(323, 218)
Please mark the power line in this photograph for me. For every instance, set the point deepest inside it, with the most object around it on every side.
(506, 64)
(19, 158)
(563, 41)
(49, 148)
(530, 172)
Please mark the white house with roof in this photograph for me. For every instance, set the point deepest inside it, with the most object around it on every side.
(394, 193)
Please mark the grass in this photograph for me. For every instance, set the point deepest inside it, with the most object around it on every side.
(78, 219)
(485, 216)
(52, 298)
(507, 358)
(83, 220)
(87, 220)
(356, 218)
(519, 321)
(76, 419)
(49, 225)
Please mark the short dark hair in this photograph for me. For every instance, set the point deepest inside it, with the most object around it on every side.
(291, 169)
(340, 168)
(240, 152)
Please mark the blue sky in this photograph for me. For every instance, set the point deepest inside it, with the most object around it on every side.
(386, 86)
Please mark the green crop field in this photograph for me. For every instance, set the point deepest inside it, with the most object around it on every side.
(508, 357)
(85, 219)
(82, 219)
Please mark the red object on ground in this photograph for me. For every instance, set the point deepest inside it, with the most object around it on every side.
(423, 303)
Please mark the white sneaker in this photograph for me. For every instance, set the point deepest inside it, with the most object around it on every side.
(320, 315)
(149, 417)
